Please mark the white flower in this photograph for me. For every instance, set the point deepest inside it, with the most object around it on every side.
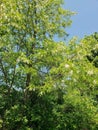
(62, 81)
(96, 46)
(67, 66)
(94, 82)
(90, 72)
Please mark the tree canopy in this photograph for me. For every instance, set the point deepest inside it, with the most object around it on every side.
(45, 84)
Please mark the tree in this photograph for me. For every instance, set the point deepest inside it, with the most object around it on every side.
(44, 84)
(28, 53)
(92, 56)
(79, 110)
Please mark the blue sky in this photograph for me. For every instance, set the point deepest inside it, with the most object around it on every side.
(85, 22)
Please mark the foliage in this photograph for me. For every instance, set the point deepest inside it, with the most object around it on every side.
(44, 84)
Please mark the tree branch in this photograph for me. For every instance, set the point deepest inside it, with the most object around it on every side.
(4, 72)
